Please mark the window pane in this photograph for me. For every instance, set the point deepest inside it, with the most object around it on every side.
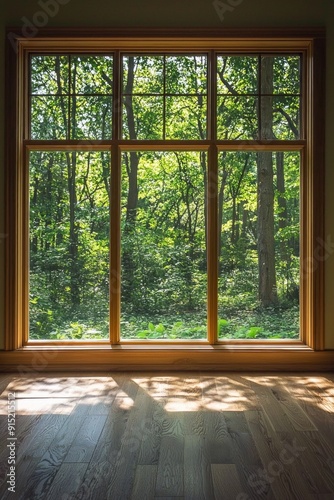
(286, 117)
(143, 74)
(91, 74)
(69, 245)
(186, 118)
(280, 117)
(186, 75)
(91, 117)
(163, 245)
(237, 118)
(49, 117)
(259, 245)
(143, 117)
(49, 75)
(150, 112)
(286, 73)
(237, 75)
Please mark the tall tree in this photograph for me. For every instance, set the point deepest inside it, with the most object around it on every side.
(265, 193)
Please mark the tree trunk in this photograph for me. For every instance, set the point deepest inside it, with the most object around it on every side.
(128, 260)
(74, 233)
(132, 199)
(265, 193)
(283, 214)
(221, 195)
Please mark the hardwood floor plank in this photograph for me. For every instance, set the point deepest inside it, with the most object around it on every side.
(154, 384)
(243, 445)
(293, 410)
(302, 389)
(316, 458)
(96, 479)
(274, 410)
(233, 394)
(150, 445)
(172, 425)
(218, 443)
(245, 455)
(127, 386)
(67, 481)
(86, 439)
(276, 460)
(65, 386)
(34, 445)
(5, 379)
(24, 470)
(226, 482)
(144, 482)
(170, 467)
(197, 477)
(122, 475)
(186, 385)
(42, 476)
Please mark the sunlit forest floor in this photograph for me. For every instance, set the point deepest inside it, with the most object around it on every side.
(270, 323)
(280, 322)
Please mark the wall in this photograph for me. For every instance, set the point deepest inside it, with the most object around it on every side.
(178, 13)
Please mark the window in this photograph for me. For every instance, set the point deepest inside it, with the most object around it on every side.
(165, 190)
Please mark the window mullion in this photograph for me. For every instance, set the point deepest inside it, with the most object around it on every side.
(115, 213)
(212, 207)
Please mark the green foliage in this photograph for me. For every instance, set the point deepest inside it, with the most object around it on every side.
(191, 327)
(163, 199)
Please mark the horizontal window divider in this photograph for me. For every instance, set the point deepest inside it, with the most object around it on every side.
(65, 145)
(261, 145)
(165, 145)
(168, 144)
(250, 94)
(167, 94)
(71, 94)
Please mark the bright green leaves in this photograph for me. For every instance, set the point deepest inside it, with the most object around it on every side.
(240, 243)
(92, 118)
(91, 75)
(71, 97)
(49, 75)
(237, 117)
(186, 75)
(164, 97)
(237, 75)
(143, 75)
(69, 244)
(163, 244)
(286, 74)
(258, 97)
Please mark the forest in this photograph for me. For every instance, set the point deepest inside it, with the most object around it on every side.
(164, 196)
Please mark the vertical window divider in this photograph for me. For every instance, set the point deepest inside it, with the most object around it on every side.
(164, 101)
(70, 95)
(115, 206)
(259, 92)
(23, 298)
(212, 207)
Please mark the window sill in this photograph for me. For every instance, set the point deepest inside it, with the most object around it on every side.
(177, 357)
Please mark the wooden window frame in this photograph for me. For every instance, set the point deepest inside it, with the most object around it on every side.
(211, 352)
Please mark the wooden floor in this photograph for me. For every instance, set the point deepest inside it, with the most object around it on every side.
(170, 436)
